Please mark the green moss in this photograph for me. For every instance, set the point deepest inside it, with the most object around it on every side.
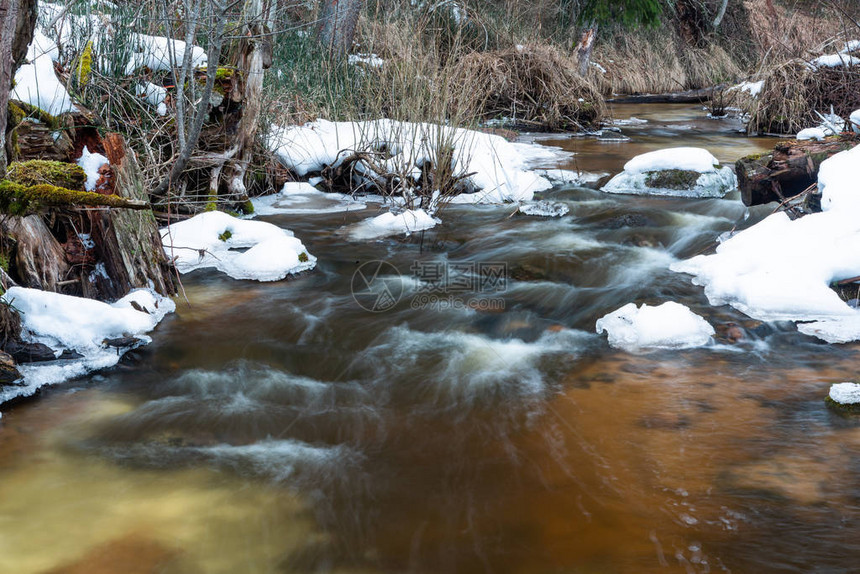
(842, 409)
(672, 179)
(223, 74)
(4, 262)
(247, 207)
(56, 173)
(16, 114)
(228, 233)
(37, 113)
(85, 64)
(17, 199)
(303, 257)
(212, 204)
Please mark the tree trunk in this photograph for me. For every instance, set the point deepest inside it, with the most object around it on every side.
(17, 22)
(789, 170)
(585, 47)
(254, 57)
(338, 21)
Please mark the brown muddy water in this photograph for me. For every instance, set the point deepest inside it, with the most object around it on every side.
(282, 428)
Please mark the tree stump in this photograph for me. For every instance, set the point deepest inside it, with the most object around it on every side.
(127, 248)
(787, 171)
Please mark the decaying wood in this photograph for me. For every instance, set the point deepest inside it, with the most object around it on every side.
(686, 97)
(39, 260)
(585, 47)
(127, 250)
(787, 171)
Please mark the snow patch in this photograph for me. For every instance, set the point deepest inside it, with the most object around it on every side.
(36, 82)
(667, 326)
(91, 164)
(499, 169)
(389, 224)
(66, 322)
(213, 239)
(816, 134)
(370, 60)
(682, 158)
(834, 61)
(781, 269)
(845, 393)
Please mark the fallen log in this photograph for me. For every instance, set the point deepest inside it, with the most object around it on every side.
(788, 170)
(685, 97)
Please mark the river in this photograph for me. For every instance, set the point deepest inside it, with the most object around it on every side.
(283, 427)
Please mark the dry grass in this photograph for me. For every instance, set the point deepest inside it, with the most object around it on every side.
(793, 92)
(536, 85)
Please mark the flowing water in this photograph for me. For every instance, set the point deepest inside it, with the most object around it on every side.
(281, 427)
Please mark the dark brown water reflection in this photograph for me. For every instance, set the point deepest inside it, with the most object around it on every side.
(281, 428)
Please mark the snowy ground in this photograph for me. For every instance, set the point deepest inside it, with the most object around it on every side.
(63, 322)
(781, 269)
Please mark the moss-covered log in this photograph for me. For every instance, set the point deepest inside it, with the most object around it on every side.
(787, 171)
(40, 171)
(17, 199)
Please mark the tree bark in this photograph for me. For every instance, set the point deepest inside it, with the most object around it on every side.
(338, 21)
(17, 22)
(8, 24)
(789, 170)
(39, 261)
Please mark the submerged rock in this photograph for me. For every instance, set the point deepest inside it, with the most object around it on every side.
(679, 172)
(844, 397)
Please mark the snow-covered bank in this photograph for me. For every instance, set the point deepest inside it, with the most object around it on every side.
(667, 326)
(781, 269)
(63, 322)
(214, 239)
(678, 172)
(497, 170)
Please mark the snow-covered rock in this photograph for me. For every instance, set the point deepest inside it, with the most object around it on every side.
(213, 239)
(304, 198)
(680, 172)
(845, 394)
(388, 224)
(500, 170)
(79, 324)
(667, 326)
(544, 208)
(781, 269)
